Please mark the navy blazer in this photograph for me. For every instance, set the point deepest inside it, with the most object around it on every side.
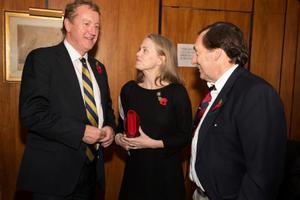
(241, 143)
(53, 111)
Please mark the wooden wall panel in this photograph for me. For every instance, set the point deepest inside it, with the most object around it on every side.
(295, 125)
(59, 4)
(240, 5)
(267, 43)
(20, 5)
(289, 60)
(270, 6)
(124, 25)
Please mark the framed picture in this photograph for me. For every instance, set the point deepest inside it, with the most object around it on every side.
(23, 33)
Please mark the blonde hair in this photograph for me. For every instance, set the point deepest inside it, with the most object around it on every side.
(164, 47)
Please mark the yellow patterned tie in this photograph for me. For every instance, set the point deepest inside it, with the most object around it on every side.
(90, 105)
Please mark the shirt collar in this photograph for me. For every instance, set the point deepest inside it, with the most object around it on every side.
(223, 79)
(73, 53)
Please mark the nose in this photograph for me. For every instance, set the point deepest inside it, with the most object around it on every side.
(138, 53)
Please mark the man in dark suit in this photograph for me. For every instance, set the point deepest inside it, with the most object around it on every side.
(66, 106)
(239, 143)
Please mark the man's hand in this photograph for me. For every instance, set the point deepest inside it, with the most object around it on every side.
(92, 135)
(108, 136)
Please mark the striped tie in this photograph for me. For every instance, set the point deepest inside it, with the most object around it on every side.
(90, 105)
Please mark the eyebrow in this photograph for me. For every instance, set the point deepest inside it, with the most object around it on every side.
(194, 48)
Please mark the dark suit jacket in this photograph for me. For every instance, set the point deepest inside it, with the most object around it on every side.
(241, 145)
(290, 187)
(53, 111)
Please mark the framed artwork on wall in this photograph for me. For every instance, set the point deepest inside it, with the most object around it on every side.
(25, 32)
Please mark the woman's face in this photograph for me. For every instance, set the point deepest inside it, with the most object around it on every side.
(147, 58)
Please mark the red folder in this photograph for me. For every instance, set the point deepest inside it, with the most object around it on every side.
(132, 123)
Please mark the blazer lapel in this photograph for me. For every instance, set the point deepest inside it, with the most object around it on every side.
(93, 63)
(213, 113)
(98, 73)
(67, 68)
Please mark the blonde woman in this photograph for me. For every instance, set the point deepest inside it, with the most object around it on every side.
(153, 168)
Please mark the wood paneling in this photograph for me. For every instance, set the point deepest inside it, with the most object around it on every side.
(289, 60)
(240, 5)
(267, 44)
(59, 4)
(21, 5)
(270, 6)
(267, 40)
(124, 25)
(295, 126)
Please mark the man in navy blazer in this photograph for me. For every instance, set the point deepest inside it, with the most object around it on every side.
(55, 164)
(239, 144)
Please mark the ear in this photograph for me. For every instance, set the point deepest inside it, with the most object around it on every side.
(218, 53)
(161, 60)
(67, 25)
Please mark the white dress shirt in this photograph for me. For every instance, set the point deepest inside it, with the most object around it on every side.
(214, 93)
(75, 57)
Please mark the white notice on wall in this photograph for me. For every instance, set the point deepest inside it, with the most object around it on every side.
(185, 53)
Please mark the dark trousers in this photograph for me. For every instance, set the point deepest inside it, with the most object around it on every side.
(84, 190)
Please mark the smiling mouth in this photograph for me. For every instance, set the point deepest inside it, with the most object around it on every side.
(90, 38)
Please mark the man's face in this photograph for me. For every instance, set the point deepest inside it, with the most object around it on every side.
(83, 30)
(204, 59)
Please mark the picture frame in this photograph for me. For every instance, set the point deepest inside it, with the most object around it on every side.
(23, 33)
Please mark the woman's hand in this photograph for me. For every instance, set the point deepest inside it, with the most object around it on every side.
(143, 141)
(119, 139)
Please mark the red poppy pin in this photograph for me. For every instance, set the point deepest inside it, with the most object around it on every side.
(98, 68)
(162, 100)
(217, 106)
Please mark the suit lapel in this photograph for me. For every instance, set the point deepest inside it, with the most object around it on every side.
(67, 68)
(212, 114)
(98, 75)
(92, 63)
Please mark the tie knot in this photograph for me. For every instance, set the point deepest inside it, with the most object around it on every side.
(211, 88)
(83, 61)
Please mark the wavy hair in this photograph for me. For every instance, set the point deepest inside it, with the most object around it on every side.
(228, 37)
